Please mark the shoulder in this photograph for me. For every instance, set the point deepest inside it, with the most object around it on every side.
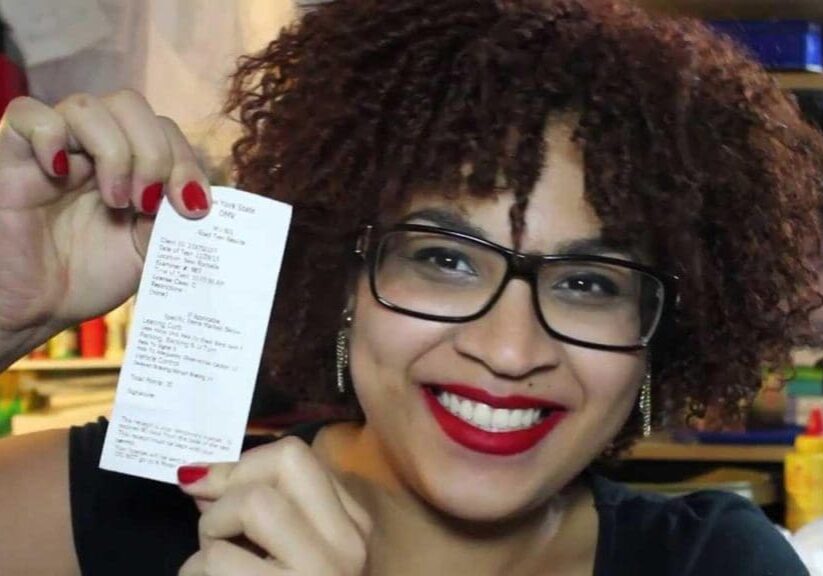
(708, 532)
(34, 484)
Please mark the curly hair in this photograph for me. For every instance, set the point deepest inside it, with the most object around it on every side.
(690, 148)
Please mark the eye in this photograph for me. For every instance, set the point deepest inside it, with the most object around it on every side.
(588, 286)
(445, 259)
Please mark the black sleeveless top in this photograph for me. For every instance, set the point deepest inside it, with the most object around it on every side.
(125, 525)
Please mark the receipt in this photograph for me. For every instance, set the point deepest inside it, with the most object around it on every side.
(197, 335)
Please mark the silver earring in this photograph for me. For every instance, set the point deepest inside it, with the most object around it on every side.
(645, 402)
(343, 352)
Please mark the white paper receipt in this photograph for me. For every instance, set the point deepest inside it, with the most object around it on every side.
(197, 336)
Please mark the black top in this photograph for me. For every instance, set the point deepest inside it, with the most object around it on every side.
(126, 525)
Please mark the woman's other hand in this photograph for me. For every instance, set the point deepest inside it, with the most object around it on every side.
(277, 511)
(71, 179)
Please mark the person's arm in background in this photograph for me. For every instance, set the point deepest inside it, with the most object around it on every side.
(71, 178)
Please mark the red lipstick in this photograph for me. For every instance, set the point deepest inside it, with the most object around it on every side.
(497, 443)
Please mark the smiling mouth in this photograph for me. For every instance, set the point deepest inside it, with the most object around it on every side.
(497, 425)
(487, 418)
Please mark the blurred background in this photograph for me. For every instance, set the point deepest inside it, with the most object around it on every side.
(179, 54)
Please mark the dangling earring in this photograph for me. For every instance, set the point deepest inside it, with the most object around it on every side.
(343, 352)
(645, 402)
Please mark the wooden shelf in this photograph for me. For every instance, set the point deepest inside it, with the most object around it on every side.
(69, 364)
(800, 80)
(667, 450)
(740, 9)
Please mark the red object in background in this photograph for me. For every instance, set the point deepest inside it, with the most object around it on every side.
(815, 425)
(13, 81)
(93, 338)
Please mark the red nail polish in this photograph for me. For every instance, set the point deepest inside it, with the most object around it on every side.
(151, 197)
(194, 198)
(60, 163)
(191, 474)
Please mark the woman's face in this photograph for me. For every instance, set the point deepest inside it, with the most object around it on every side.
(398, 362)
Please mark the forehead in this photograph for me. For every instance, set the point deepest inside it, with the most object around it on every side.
(557, 212)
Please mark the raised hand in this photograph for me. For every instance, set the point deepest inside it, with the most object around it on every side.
(72, 179)
(278, 511)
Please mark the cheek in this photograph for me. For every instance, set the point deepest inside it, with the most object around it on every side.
(385, 344)
(608, 381)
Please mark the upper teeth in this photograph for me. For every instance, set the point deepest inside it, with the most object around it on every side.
(488, 418)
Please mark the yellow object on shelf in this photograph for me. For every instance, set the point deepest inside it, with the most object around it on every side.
(63, 345)
(116, 326)
(804, 476)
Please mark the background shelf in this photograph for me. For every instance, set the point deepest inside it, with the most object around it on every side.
(69, 364)
(661, 449)
(731, 9)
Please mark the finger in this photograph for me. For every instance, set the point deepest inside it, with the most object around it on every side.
(33, 127)
(269, 520)
(223, 558)
(96, 131)
(354, 509)
(188, 187)
(141, 228)
(203, 505)
(151, 153)
(290, 466)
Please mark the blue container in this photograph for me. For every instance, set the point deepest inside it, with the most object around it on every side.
(779, 44)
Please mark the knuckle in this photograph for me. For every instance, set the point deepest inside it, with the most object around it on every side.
(79, 100)
(168, 123)
(18, 104)
(294, 452)
(116, 155)
(128, 97)
(155, 161)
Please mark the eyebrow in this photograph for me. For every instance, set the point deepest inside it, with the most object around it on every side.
(447, 219)
(595, 245)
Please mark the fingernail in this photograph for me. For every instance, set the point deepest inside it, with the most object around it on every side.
(151, 197)
(60, 163)
(194, 198)
(191, 474)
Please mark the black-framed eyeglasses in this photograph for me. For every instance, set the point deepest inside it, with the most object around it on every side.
(445, 275)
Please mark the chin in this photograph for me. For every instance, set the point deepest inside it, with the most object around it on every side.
(482, 500)
(478, 514)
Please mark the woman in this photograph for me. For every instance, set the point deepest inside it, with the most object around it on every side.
(524, 232)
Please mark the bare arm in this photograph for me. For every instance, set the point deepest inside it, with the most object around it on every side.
(35, 519)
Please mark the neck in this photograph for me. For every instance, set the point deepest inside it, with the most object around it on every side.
(414, 538)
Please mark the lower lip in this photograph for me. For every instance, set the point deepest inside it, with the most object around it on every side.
(497, 443)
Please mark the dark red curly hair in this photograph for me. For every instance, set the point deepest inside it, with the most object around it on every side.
(690, 149)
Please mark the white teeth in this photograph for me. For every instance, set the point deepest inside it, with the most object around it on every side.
(500, 418)
(482, 415)
(488, 418)
(466, 409)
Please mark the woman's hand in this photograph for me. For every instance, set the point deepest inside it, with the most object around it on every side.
(71, 178)
(278, 511)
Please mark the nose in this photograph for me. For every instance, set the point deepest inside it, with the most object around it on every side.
(509, 339)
